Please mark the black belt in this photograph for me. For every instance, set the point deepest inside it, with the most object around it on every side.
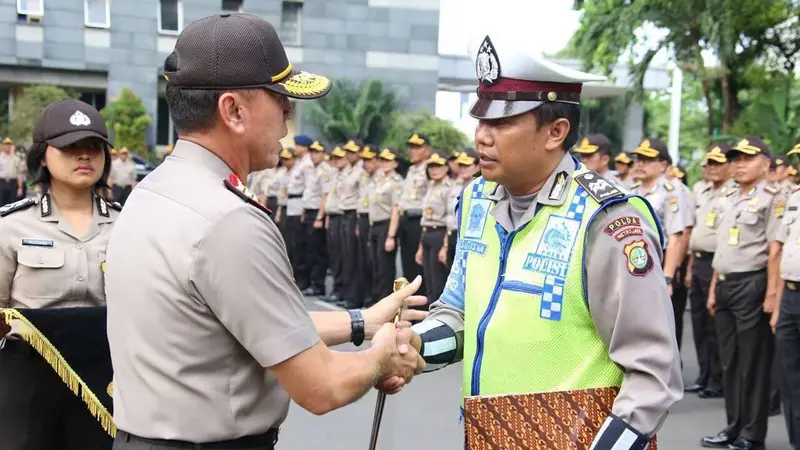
(739, 275)
(793, 286)
(272, 197)
(703, 255)
(366, 214)
(349, 211)
(333, 214)
(413, 213)
(268, 440)
(374, 223)
(433, 228)
(294, 196)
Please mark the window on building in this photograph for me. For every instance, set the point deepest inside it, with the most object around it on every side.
(170, 16)
(30, 7)
(5, 108)
(233, 5)
(291, 20)
(96, 99)
(97, 13)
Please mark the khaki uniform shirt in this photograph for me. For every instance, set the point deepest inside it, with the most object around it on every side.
(282, 181)
(9, 166)
(386, 194)
(123, 173)
(668, 202)
(748, 224)
(700, 186)
(333, 205)
(270, 182)
(365, 186)
(257, 180)
(295, 184)
(452, 200)
(691, 204)
(45, 263)
(201, 300)
(789, 236)
(347, 186)
(414, 188)
(434, 205)
(710, 206)
(315, 180)
(646, 351)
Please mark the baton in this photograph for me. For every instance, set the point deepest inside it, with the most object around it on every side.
(399, 283)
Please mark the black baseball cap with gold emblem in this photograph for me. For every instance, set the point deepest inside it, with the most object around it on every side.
(367, 153)
(237, 51)
(623, 158)
(716, 153)
(418, 140)
(750, 145)
(287, 153)
(467, 157)
(316, 146)
(653, 149)
(513, 78)
(438, 158)
(594, 143)
(388, 154)
(67, 121)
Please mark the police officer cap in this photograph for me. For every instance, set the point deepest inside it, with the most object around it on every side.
(368, 153)
(716, 153)
(66, 122)
(653, 148)
(795, 150)
(751, 145)
(304, 140)
(353, 146)
(7, 141)
(388, 154)
(467, 157)
(316, 146)
(237, 51)
(623, 158)
(288, 153)
(338, 152)
(418, 140)
(513, 78)
(438, 158)
(594, 143)
(779, 161)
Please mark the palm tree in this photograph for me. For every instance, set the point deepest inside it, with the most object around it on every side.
(349, 112)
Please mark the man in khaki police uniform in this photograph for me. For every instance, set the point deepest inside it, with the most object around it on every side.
(623, 165)
(786, 325)
(366, 185)
(209, 335)
(313, 212)
(11, 179)
(527, 123)
(333, 212)
(702, 245)
(348, 187)
(594, 151)
(744, 292)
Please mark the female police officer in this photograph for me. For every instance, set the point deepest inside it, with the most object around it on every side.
(434, 224)
(52, 255)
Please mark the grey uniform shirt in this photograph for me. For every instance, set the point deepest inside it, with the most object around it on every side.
(789, 236)
(434, 205)
(315, 180)
(689, 202)
(347, 186)
(668, 202)
(365, 187)
(414, 188)
(295, 184)
(46, 263)
(201, 300)
(750, 221)
(710, 206)
(333, 205)
(270, 182)
(452, 200)
(646, 350)
(282, 181)
(386, 194)
(123, 173)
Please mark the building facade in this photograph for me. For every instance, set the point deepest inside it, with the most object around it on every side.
(100, 47)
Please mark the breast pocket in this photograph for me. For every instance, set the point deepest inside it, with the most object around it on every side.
(748, 218)
(97, 269)
(40, 273)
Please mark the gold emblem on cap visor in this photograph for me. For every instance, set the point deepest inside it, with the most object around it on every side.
(552, 96)
(305, 84)
(745, 147)
(387, 155)
(645, 150)
(317, 147)
(436, 159)
(586, 147)
(416, 140)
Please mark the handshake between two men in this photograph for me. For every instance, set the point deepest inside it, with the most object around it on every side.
(321, 380)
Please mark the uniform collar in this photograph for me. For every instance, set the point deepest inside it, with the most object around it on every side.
(194, 154)
(553, 193)
(101, 213)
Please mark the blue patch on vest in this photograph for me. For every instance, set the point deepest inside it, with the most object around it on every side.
(471, 246)
(552, 298)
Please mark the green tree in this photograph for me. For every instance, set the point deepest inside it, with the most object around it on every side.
(606, 116)
(769, 111)
(127, 120)
(442, 134)
(350, 111)
(30, 105)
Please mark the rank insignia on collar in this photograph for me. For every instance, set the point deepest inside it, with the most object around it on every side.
(487, 64)
(558, 186)
(598, 187)
(46, 210)
(102, 208)
(235, 185)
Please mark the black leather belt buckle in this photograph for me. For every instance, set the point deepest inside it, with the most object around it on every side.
(793, 286)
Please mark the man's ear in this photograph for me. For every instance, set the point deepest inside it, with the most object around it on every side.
(232, 112)
(557, 133)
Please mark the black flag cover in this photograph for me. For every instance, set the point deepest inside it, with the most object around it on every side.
(74, 342)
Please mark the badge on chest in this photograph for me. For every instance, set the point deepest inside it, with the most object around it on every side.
(554, 249)
(32, 242)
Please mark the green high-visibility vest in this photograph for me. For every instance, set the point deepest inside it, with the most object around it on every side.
(527, 323)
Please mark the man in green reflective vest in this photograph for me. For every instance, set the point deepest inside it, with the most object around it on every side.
(557, 282)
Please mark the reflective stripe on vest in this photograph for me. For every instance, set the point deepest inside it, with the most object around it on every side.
(527, 324)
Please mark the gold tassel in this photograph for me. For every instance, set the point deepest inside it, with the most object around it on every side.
(53, 357)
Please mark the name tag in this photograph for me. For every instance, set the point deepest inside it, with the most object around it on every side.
(711, 219)
(48, 243)
(733, 236)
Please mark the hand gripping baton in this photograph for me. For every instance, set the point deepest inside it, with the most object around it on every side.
(399, 283)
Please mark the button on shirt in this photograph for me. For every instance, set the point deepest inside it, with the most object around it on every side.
(315, 180)
(201, 300)
(365, 186)
(414, 188)
(710, 206)
(749, 223)
(789, 236)
(295, 184)
(386, 194)
(668, 203)
(434, 205)
(46, 263)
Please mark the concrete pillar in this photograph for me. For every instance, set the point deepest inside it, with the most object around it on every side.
(633, 131)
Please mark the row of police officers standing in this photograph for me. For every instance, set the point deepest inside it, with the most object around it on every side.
(347, 210)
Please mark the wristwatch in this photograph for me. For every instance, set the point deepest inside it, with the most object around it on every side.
(668, 279)
(356, 327)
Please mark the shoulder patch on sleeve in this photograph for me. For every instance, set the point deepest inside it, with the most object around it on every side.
(639, 261)
(247, 199)
(600, 189)
(25, 203)
(780, 208)
(771, 189)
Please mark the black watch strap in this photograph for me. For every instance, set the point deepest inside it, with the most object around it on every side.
(356, 327)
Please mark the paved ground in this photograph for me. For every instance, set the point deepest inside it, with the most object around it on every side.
(425, 416)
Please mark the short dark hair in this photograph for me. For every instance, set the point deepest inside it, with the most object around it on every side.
(41, 176)
(552, 111)
(195, 109)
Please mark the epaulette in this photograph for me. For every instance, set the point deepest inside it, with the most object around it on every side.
(25, 203)
(600, 189)
(636, 185)
(771, 189)
(115, 205)
(448, 182)
(247, 198)
(732, 191)
(668, 186)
